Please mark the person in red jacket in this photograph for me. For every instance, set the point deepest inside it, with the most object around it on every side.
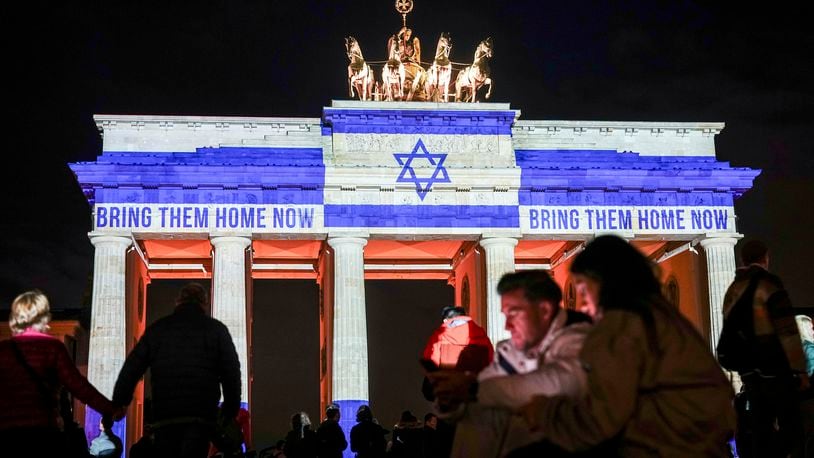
(459, 343)
(34, 366)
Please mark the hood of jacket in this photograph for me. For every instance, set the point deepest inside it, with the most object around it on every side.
(462, 331)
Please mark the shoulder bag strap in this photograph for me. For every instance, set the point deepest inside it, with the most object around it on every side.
(745, 303)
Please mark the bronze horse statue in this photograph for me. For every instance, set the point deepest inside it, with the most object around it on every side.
(360, 75)
(393, 73)
(440, 73)
(472, 78)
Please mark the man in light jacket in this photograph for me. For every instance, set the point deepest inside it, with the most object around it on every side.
(540, 358)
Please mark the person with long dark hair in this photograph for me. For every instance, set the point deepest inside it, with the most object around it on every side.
(654, 388)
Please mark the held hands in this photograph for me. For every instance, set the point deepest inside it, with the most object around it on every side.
(119, 413)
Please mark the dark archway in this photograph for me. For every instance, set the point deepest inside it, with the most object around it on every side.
(285, 356)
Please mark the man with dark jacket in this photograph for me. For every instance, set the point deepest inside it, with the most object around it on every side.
(775, 370)
(191, 357)
(367, 437)
(430, 444)
(331, 440)
(407, 437)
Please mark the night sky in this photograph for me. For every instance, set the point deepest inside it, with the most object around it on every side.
(751, 67)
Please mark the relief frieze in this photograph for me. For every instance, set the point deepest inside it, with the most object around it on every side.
(390, 143)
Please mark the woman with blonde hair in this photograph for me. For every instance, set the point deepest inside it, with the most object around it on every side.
(35, 367)
(301, 441)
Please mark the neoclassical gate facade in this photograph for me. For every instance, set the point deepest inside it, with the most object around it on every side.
(371, 190)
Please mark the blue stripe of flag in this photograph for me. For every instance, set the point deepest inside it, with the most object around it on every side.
(503, 216)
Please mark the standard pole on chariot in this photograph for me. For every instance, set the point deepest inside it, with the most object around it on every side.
(403, 7)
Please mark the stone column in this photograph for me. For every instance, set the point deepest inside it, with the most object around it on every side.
(349, 372)
(108, 345)
(720, 254)
(499, 261)
(229, 298)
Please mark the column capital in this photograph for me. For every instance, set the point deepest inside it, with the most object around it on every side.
(239, 233)
(335, 242)
(348, 233)
(97, 239)
(491, 241)
(720, 239)
(501, 233)
(230, 239)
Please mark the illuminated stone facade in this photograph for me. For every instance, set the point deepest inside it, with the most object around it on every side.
(457, 192)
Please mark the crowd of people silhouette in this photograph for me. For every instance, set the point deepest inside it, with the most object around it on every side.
(628, 375)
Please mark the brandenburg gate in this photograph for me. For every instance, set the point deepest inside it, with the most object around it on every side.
(461, 192)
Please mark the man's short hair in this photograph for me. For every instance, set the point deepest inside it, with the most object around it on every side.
(429, 416)
(363, 413)
(754, 252)
(331, 410)
(537, 285)
(193, 293)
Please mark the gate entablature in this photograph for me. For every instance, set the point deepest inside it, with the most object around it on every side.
(419, 169)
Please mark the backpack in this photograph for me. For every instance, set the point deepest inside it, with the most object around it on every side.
(736, 346)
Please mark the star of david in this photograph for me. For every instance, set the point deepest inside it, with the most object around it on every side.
(408, 175)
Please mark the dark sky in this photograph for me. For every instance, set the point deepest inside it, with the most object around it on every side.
(749, 66)
(630, 60)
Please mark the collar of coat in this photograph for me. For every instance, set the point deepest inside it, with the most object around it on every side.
(188, 307)
(556, 324)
